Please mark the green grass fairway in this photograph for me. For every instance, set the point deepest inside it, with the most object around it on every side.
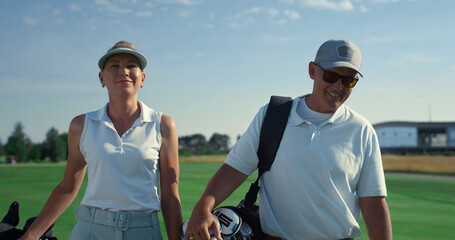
(422, 207)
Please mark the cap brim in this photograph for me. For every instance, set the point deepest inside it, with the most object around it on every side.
(329, 65)
(140, 57)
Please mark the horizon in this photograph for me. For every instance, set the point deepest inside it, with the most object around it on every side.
(207, 137)
(213, 64)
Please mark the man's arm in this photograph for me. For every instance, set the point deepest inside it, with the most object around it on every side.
(222, 184)
(376, 216)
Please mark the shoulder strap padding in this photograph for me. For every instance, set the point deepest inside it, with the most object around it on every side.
(273, 126)
(272, 130)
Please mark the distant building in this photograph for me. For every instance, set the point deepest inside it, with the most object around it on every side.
(11, 159)
(416, 137)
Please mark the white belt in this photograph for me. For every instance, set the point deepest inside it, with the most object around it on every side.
(120, 220)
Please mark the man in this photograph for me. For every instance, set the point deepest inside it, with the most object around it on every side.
(327, 170)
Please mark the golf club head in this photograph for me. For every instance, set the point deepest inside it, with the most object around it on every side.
(229, 219)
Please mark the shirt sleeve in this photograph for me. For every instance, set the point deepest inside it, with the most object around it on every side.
(243, 156)
(372, 180)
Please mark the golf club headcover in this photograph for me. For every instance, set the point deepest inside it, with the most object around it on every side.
(12, 216)
(46, 235)
(11, 234)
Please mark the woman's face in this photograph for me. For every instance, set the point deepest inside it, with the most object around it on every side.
(122, 74)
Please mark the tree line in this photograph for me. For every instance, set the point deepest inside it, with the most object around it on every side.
(55, 146)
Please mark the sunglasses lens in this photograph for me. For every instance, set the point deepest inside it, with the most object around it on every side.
(330, 77)
(349, 82)
(333, 77)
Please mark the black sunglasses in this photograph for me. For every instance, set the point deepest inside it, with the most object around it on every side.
(333, 77)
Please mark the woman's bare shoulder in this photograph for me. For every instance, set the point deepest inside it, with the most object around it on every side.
(77, 124)
(167, 125)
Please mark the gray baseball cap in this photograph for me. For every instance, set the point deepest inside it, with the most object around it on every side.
(140, 57)
(339, 53)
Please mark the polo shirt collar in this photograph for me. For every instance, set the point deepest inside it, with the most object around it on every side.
(147, 114)
(295, 119)
(101, 114)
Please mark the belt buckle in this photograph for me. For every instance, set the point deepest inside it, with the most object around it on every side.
(122, 220)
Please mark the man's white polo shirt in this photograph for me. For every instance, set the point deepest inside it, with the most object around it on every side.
(319, 172)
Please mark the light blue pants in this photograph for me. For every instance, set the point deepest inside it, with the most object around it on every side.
(97, 224)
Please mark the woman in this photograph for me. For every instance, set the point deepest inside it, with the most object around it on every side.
(125, 146)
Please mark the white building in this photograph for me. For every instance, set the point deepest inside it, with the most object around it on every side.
(416, 137)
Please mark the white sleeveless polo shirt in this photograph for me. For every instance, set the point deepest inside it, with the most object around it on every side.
(122, 171)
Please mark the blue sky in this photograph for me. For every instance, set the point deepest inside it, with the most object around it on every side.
(213, 64)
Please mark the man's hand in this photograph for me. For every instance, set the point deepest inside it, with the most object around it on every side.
(204, 226)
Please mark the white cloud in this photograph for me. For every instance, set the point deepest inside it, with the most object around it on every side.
(241, 22)
(30, 21)
(272, 15)
(92, 25)
(364, 9)
(75, 7)
(208, 26)
(200, 54)
(203, 25)
(128, 1)
(102, 2)
(24, 85)
(119, 10)
(112, 8)
(144, 14)
(176, 56)
(270, 11)
(385, 1)
(291, 14)
(276, 40)
(185, 14)
(415, 57)
(183, 2)
(381, 39)
(344, 5)
(277, 21)
(189, 2)
(253, 10)
(273, 12)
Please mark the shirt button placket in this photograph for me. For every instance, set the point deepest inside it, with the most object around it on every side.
(314, 142)
(121, 147)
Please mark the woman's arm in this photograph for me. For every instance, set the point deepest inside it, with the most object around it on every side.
(169, 178)
(65, 192)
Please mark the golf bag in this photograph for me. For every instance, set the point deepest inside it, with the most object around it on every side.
(8, 230)
(272, 130)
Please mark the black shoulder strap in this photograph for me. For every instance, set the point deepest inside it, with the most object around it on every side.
(275, 121)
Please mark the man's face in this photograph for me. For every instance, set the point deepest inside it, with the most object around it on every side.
(328, 97)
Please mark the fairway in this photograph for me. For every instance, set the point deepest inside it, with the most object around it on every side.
(421, 206)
